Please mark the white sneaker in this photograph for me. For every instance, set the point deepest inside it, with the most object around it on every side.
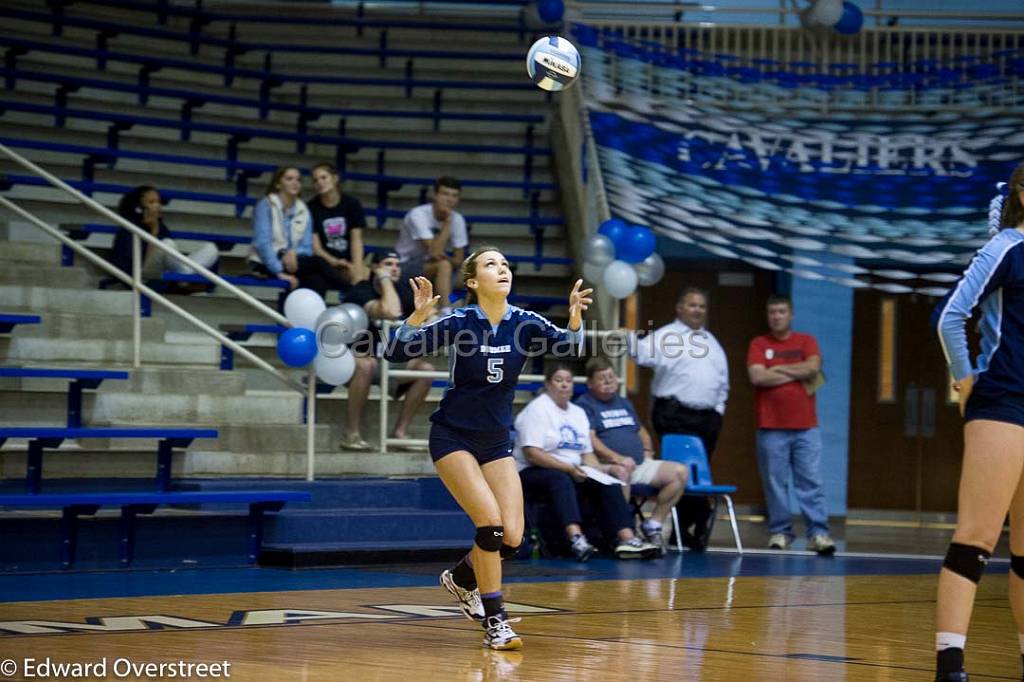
(581, 548)
(822, 544)
(498, 633)
(654, 536)
(469, 600)
(635, 548)
(778, 541)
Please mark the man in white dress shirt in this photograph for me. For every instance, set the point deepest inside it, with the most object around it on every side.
(690, 389)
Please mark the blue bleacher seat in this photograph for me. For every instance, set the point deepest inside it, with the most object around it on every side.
(689, 451)
(43, 437)
(73, 505)
(8, 321)
(80, 379)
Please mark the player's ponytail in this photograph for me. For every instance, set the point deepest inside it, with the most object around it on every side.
(1013, 211)
(469, 270)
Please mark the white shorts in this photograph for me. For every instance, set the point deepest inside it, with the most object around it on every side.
(644, 473)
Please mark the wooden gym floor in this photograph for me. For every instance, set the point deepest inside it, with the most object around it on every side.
(711, 616)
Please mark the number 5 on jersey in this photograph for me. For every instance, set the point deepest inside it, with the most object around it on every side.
(495, 372)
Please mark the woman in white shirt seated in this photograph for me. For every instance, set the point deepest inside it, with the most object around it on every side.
(552, 447)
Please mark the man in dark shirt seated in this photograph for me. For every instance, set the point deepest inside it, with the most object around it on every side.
(620, 439)
(385, 296)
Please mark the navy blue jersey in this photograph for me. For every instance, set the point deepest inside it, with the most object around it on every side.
(484, 362)
(995, 281)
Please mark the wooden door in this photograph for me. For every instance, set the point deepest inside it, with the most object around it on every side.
(905, 437)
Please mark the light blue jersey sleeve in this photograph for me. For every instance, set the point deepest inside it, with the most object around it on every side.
(987, 272)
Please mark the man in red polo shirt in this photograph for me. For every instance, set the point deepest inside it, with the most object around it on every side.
(784, 367)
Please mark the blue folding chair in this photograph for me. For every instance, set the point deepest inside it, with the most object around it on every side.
(689, 451)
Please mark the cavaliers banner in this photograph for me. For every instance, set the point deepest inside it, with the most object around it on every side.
(854, 198)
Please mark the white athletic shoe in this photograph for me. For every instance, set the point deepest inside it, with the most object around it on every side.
(469, 600)
(498, 634)
(635, 548)
(778, 541)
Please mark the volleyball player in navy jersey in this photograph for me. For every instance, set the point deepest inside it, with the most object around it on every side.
(469, 439)
(991, 395)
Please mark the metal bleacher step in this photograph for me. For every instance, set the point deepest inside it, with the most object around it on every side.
(313, 554)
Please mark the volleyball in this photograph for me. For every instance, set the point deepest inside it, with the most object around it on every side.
(553, 63)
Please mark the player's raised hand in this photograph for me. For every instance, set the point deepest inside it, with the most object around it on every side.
(423, 299)
(579, 300)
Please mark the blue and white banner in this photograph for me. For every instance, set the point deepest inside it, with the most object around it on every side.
(853, 198)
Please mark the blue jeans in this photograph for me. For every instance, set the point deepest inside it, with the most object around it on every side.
(779, 452)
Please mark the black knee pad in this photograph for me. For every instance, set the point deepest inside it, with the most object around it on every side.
(490, 538)
(1017, 565)
(508, 551)
(967, 561)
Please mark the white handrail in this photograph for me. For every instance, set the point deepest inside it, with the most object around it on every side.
(156, 296)
(154, 241)
(135, 282)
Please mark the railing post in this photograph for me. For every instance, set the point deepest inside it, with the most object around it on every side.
(383, 427)
(311, 423)
(136, 303)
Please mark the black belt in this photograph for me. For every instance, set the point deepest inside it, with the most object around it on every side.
(682, 406)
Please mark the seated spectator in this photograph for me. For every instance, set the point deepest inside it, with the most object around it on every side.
(385, 296)
(338, 222)
(142, 207)
(282, 242)
(428, 232)
(552, 444)
(620, 439)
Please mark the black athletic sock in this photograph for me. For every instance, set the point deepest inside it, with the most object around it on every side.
(463, 574)
(493, 605)
(949, 660)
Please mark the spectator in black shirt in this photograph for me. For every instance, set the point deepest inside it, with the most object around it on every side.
(338, 222)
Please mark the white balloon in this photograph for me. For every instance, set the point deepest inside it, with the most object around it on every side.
(337, 370)
(650, 270)
(360, 321)
(826, 12)
(619, 279)
(598, 250)
(302, 307)
(593, 274)
(334, 330)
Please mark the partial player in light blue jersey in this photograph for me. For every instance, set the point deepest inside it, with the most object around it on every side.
(488, 342)
(991, 395)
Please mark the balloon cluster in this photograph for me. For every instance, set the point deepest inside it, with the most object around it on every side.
(618, 257)
(321, 335)
(842, 15)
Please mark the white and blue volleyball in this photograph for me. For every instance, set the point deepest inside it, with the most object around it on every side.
(553, 63)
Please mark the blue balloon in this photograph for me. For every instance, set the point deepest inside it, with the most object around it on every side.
(637, 244)
(550, 11)
(852, 19)
(615, 229)
(297, 347)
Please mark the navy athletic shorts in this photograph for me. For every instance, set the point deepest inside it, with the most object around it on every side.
(486, 446)
(1009, 408)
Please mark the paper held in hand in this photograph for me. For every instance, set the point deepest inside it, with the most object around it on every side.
(600, 476)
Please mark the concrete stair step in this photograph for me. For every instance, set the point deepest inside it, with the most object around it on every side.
(109, 327)
(264, 407)
(40, 299)
(17, 351)
(164, 380)
(39, 274)
(327, 463)
(29, 252)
